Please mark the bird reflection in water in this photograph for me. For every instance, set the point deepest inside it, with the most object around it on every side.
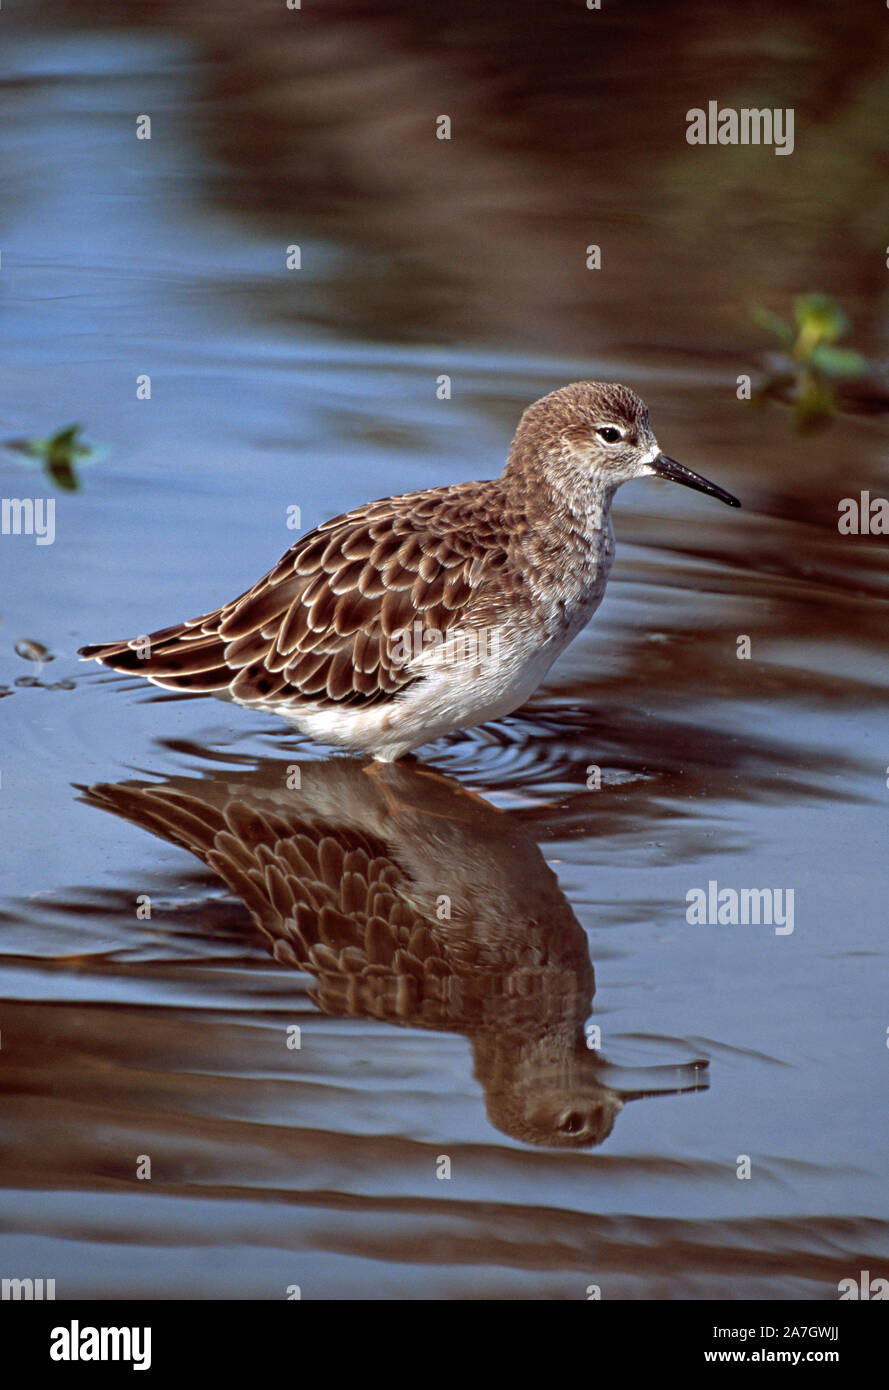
(412, 901)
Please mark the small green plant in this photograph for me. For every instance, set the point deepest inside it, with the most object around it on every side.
(820, 322)
(811, 359)
(58, 454)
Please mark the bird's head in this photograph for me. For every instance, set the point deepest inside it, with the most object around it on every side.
(599, 433)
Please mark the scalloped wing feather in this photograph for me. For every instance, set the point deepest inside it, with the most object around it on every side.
(326, 625)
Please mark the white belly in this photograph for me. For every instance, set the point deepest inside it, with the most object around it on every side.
(469, 680)
(456, 690)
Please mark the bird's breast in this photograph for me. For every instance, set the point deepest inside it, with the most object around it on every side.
(576, 586)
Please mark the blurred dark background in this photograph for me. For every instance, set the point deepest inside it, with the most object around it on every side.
(568, 130)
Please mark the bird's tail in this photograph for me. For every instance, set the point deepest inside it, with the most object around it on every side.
(187, 656)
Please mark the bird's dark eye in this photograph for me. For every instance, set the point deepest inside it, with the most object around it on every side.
(572, 1123)
(609, 434)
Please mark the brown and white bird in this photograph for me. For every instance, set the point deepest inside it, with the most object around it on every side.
(414, 616)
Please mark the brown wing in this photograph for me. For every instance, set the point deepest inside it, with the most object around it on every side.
(326, 624)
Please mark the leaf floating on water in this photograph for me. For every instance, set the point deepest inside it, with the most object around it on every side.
(58, 453)
(33, 651)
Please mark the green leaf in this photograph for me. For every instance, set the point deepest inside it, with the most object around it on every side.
(31, 448)
(63, 475)
(58, 454)
(64, 444)
(764, 318)
(839, 361)
(820, 318)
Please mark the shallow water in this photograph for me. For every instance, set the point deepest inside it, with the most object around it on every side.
(125, 1035)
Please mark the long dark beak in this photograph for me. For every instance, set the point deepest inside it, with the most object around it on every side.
(678, 473)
